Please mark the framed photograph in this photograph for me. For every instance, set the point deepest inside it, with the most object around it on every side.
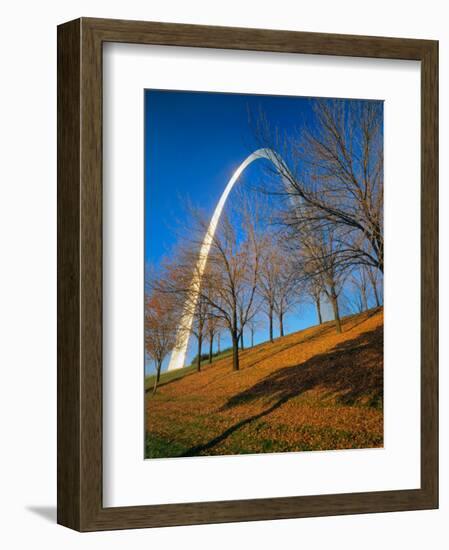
(247, 274)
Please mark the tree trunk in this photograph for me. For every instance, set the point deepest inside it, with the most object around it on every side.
(375, 292)
(211, 345)
(334, 301)
(359, 303)
(158, 376)
(364, 299)
(235, 350)
(373, 282)
(252, 337)
(281, 323)
(318, 310)
(242, 343)
(200, 345)
(270, 315)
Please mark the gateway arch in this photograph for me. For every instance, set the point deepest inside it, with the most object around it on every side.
(177, 358)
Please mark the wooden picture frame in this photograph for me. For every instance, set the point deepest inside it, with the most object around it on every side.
(80, 504)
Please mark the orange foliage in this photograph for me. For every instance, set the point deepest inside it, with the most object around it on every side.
(311, 390)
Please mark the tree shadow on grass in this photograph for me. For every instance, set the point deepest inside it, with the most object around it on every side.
(197, 449)
(352, 370)
(270, 349)
(362, 318)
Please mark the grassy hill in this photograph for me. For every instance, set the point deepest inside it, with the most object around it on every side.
(167, 377)
(311, 390)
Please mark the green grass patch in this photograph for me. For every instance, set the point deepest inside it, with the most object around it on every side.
(376, 402)
(167, 377)
(215, 356)
(258, 438)
(157, 447)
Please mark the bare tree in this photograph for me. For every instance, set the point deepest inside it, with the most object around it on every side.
(228, 284)
(365, 282)
(288, 291)
(199, 327)
(219, 341)
(359, 281)
(233, 267)
(174, 283)
(374, 276)
(213, 329)
(242, 328)
(334, 168)
(313, 287)
(246, 316)
(253, 324)
(278, 282)
(319, 264)
(160, 330)
(267, 286)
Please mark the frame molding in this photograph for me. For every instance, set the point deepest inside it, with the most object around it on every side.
(80, 274)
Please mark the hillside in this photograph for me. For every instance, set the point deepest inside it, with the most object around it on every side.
(311, 390)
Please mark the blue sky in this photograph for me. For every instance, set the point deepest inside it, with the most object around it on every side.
(193, 143)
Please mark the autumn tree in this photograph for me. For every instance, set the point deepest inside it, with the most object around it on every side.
(160, 329)
(177, 281)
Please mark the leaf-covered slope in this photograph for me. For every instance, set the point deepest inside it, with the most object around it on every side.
(311, 390)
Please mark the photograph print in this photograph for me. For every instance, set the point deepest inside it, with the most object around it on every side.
(263, 303)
